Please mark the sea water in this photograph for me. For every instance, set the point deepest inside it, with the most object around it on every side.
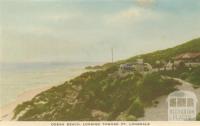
(20, 77)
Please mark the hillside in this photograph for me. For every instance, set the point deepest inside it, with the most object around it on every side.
(105, 94)
(168, 54)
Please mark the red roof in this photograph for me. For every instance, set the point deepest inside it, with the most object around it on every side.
(190, 55)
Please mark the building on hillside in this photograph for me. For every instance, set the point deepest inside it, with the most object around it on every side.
(126, 67)
(177, 62)
(138, 66)
(147, 67)
(142, 67)
(169, 66)
(191, 59)
(160, 65)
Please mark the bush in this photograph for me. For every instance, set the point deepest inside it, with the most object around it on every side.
(198, 117)
(184, 75)
(194, 78)
(126, 117)
(154, 86)
(137, 108)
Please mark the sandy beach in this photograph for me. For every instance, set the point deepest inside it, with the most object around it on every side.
(6, 111)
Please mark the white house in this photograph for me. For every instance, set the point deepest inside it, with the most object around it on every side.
(138, 66)
(126, 67)
(169, 66)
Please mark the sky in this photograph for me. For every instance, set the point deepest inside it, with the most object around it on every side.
(86, 30)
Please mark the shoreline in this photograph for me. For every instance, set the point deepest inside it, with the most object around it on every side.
(6, 111)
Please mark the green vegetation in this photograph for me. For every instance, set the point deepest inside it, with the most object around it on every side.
(105, 95)
(93, 67)
(126, 117)
(113, 96)
(191, 76)
(154, 85)
(167, 54)
(198, 117)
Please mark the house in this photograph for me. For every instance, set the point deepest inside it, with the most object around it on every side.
(177, 62)
(169, 66)
(191, 56)
(147, 67)
(191, 59)
(192, 64)
(126, 67)
(138, 66)
(142, 67)
(160, 65)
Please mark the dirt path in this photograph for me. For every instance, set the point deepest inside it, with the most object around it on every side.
(159, 113)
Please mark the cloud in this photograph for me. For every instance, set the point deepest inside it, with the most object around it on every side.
(132, 15)
(63, 16)
(145, 2)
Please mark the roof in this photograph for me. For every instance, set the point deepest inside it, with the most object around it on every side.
(182, 94)
(126, 65)
(190, 55)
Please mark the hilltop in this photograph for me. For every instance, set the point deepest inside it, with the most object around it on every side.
(166, 54)
(106, 95)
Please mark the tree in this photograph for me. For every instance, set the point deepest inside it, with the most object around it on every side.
(198, 117)
(137, 108)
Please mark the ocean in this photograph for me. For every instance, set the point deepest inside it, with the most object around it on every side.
(20, 77)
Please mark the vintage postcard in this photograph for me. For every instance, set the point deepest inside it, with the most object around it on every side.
(99, 62)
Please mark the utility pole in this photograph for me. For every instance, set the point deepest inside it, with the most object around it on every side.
(112, 55)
